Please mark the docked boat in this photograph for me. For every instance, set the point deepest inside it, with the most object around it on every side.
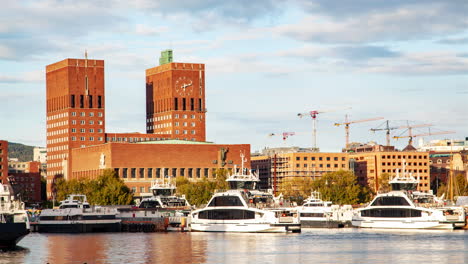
(14, 223)
(75, 215)
(149, 215)
(397, 209)
(244, 209)
(317, 213)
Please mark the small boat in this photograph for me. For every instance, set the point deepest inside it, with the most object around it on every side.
(14, 223)
(317, 213)
(397, 209)
(75, 215)
(164, 197)
(244, 209)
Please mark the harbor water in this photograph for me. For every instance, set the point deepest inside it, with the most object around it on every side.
(347, 245)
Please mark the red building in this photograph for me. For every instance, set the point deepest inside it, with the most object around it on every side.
(26, 181)
(175, 119)
(3, 161)
(175, 100)
(75, 111)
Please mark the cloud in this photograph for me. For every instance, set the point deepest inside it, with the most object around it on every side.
(146, 30)
(29, 77)
(454, 41)
(377, 22)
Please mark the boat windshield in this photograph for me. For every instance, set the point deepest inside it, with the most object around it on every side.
(226, 201)
(249, 185)
(163, 192)
(150, 204)
(389, 201)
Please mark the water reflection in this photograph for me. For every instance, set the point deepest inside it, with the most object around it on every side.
(312, 245)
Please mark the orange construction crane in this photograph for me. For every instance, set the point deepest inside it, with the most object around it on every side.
(388, 128)
(314, 114)
(347, 123)
(411, 136)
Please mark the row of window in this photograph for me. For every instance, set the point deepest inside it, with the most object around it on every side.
(57, 148)
(404, 156)
(83, 130)
(81, 101)
(408, 164)
(186, 105)
(321, 165)
(185, 132)
(164, 172)
(57, 116)
(57, 132)
(91, 114)
(321, 158)
(57, 140)
(395, 170)
(91, 122)
(84, 138)
(57, 124)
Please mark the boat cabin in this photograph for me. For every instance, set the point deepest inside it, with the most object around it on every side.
(75, 201)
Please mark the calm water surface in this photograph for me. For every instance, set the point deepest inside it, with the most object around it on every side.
(311, 246)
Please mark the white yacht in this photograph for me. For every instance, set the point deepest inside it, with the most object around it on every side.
(14, 223)
(164, 197)
(317, 213)
(75, 215)
(397, 209)
(244, 209)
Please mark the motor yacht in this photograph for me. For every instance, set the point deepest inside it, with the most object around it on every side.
(14, 223)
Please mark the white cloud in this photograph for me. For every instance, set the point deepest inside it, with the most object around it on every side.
(145, 30)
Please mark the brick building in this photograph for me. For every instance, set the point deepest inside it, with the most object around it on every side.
(175, 103)
(175, 99)
(140, 163)
(25, 179)
(442, 162)
(369, 163)
(277, 167)
(3, 161)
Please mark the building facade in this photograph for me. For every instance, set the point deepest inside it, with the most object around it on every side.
(369, 166)
(75, 111)
(3, 161)
(25, 179)
(275, 168)
(175, 104)
(175, 100)
(139, 164)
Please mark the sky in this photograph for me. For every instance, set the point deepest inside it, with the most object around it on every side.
(266, 61)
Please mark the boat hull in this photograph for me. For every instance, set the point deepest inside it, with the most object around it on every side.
(322, 223)
(68, 227)
(402, 224)
(244, 227)
(12, 233)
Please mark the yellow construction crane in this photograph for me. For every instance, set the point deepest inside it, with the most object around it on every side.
(347, 123)
(388, 128)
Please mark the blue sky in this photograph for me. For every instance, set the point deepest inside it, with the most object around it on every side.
(266, 61)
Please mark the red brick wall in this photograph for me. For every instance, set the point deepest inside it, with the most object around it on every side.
(73, 125)
(163, 88)
(28, 185)
(3, 161)
(86, 161)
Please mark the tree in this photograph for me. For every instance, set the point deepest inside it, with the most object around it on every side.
(200, 192)
(106, 189)
(341, 187)
(384, 185)
(296, 188)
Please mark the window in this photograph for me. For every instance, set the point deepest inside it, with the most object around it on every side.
(176, 116)
(133, 172)
(73, 138)
(142, 189)
(90, 101)
(91, 122)
(149, 172)
(142, 173)
(99, 130)
(124, 173)
(192, 116)
(176, 105)
(91, 130)
(192, 105)
(190, 173)
(91, 114)
(73, 113)
(91, 138)
(72, 101)
(82, 122)
(73, 130)
(99, 102)
(82, 130)
(82, 138)
(81, 101)
(184, 103)
(226, 201)
(100, 114)
(182, 172)
(158, 173)
(192, 132)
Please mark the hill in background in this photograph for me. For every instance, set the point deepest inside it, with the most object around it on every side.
(20, 151)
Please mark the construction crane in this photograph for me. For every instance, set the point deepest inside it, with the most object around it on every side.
(285, 135)
(314, 114)
(347, 123)
(388, 128)
(411, 136)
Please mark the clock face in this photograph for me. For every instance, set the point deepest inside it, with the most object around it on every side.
(184, 86)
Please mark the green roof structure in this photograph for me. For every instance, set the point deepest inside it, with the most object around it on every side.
(166, 57)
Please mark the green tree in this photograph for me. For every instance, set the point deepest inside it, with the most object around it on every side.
(341, 187)
(200, 192)
(106, 189)
(384, 185)
(296, 188)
